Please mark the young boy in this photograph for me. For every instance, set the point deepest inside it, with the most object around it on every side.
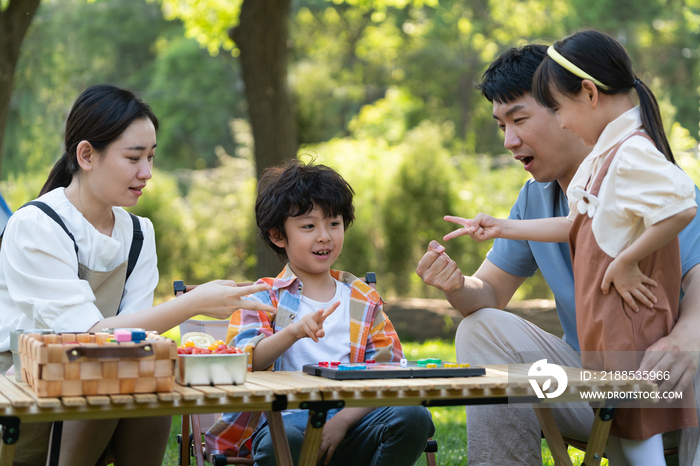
(302, 213)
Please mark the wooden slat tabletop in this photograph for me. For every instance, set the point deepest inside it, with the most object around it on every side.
(261, 388)
(16, 396)
(145, 398)
(210, 392)
(98, 400)
(41, 402)
(235, 390)
(123, 399)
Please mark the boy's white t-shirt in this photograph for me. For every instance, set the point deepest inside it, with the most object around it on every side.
(335, 346)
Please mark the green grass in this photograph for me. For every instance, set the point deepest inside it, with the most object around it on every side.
(450, 422)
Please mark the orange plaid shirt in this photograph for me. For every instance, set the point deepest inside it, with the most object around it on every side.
(372, 336)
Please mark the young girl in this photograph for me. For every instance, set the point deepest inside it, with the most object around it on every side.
(77, 262)
(628, 202)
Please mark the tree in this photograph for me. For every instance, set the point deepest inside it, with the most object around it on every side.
(261, 37)
(15, 18)
(260, 31)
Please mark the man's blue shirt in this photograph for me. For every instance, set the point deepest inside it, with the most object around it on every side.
(523, 258)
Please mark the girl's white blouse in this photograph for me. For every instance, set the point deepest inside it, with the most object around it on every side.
(640, 189)
(39, 284)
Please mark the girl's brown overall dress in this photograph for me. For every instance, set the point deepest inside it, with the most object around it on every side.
(612, 336)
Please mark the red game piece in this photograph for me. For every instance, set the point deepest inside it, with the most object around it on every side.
(335, 363)
(323, 364)
(370, 361)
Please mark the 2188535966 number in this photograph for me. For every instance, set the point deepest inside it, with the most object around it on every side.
(615, 376)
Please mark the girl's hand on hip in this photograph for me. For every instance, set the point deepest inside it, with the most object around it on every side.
(630, 283)
(481, 228)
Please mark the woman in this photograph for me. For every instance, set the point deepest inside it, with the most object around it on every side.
(64, 261)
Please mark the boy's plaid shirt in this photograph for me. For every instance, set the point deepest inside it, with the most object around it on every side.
(372, 336)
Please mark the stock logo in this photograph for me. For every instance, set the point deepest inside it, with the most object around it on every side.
(542, 368)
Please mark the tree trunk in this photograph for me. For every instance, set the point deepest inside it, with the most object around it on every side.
(262, 38)
(14, 22)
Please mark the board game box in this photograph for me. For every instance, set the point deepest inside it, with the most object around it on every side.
(423, 368)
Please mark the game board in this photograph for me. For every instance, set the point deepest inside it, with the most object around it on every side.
(392, 370)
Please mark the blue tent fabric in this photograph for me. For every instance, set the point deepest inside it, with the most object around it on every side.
(5, 213)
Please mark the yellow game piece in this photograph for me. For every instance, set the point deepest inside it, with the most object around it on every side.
(464, 365)
(431, 365)
(451, 364)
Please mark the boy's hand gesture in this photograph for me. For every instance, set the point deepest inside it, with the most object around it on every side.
(630, 283)
(481, 228)
(311, 325)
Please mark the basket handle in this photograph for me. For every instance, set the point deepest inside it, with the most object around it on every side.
(110, 352)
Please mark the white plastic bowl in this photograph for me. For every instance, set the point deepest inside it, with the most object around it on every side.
(212, 369)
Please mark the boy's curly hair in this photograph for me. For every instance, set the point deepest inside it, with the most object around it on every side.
(294, 189)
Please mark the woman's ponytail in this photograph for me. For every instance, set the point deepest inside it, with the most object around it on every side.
(651, 118)
(60, 176)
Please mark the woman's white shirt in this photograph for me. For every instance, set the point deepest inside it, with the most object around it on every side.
(640, 189)
(39, 284)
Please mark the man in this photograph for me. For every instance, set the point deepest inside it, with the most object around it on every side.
(488, 335)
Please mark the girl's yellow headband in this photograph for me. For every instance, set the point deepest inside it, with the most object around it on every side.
(559, 58)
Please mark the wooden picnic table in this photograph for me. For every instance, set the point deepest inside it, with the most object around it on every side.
(272, 392)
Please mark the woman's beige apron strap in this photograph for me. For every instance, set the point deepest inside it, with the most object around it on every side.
(108, 287)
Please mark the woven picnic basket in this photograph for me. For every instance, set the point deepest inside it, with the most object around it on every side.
(75, 364)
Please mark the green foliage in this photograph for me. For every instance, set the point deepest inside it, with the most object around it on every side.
(62, 55)
(206, 21)
(130, 44)
(21, 188)
(207, 232)
(197, 96)
(423, 190)
(382, 92)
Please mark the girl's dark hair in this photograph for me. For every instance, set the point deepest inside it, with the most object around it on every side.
(99, 116)
(604, 58)
(294, 189)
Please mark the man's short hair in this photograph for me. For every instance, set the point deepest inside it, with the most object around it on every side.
(294, 189)
(510, 75)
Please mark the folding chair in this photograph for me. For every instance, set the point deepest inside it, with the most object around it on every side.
(202, 422)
